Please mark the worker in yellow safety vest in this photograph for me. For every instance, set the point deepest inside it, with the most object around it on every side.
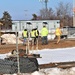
(36, 36)
(58, 33)
(44, 34)
(33, 35)
(25, 36)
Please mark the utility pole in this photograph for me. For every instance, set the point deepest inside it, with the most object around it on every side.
(73, 13)
(45, 1)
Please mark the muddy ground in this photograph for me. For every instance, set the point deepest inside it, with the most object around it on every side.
(51, 45)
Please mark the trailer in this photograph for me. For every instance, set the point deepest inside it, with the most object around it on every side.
(29, 25)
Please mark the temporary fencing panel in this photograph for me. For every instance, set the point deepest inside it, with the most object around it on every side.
(7, 67)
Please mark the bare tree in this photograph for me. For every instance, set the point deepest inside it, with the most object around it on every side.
(47, 14)
(64, 13)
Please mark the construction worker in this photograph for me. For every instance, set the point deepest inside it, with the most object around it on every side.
(36, 36)
(33, 35)
(44, 34)
(25, 36)
(58, 33)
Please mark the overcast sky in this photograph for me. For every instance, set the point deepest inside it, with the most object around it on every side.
(23, 9)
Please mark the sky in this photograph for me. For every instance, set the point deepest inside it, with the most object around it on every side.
(23, 9)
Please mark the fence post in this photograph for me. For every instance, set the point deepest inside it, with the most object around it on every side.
(17, 50)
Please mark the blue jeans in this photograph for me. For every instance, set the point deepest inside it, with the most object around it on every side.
(44, 40)
(24, 40)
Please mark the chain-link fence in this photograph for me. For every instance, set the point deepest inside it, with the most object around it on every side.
(69, 32)
(16, 61)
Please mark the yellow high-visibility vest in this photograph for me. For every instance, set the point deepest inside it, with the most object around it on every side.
(36, 33)
(58, 32)
(44, 31)
(33, 33)
(24, 33)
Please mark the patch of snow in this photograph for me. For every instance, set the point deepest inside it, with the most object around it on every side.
(10, 39)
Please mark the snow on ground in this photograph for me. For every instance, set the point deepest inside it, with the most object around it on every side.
(51, 71)
(10, 39)
(52, 55)
(56, 55)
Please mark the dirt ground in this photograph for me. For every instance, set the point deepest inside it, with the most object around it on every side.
(51, 45)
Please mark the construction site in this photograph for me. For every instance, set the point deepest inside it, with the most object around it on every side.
(19, 52)
(20, 55)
